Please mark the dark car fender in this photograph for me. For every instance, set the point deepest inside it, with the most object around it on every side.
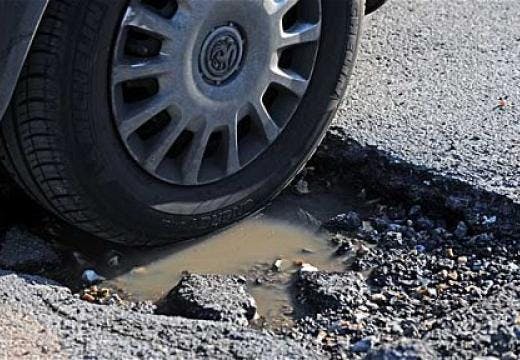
(19, 20)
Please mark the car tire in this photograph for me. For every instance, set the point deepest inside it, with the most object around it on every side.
(59, 142)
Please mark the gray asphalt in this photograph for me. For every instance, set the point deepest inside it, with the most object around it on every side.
(427, 83)
(52, 323)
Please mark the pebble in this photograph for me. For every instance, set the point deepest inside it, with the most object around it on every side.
(278, 265)
(347, 222)
(114, 259)
(308, 268)
(363, 345)
(378, 298)
(415, 212)
(462, 260)
(90, 277)
(461, 231)
(89, 298)
(302, 187)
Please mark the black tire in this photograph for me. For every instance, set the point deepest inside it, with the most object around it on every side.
(59, 143)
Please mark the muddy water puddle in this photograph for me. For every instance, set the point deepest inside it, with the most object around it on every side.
(250, 248)
(288, 229)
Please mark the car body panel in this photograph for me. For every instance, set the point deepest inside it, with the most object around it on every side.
(19, 20)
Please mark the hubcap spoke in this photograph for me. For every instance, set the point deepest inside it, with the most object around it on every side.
(279, 6)
(140, 17)
(290, 80)
(193, 161)
(300, 34)
(232, 159)
(270, 128)
(139, 113)
(164, 144)
(133, 70)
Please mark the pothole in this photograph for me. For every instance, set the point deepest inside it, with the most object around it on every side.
(265, 250)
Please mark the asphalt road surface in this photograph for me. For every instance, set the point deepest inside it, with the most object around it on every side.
(426, 90)
(427, 85)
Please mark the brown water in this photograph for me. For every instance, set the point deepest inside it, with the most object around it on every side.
(251, 244)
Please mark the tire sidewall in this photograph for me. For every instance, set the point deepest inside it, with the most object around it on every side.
(120, 190)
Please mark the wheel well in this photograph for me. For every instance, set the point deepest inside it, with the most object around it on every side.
(373, 5)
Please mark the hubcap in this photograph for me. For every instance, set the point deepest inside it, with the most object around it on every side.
(201, 88)
(221, 54)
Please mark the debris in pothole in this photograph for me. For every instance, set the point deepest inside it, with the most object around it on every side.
(331, 290)
(90, 277)
(307, 268)
(113, 259)
(280, 265)
(347, 222)
(102, 296)
(406, 287)
(302, 187)
(211, 297)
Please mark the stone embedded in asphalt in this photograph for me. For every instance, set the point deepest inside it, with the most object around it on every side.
(423, 223)
(325, 291)
(346, 222)
(363, 345)
(211, 297)
(415, 212)
(403, 350)
(25, 252)
(461, 231)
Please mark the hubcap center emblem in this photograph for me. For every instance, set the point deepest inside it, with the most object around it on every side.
(221, 55)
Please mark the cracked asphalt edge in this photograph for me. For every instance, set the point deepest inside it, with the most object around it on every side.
(394, 179)
(68, 327)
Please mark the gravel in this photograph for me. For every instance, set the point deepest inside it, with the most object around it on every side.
(348, 221)
(452, 295)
